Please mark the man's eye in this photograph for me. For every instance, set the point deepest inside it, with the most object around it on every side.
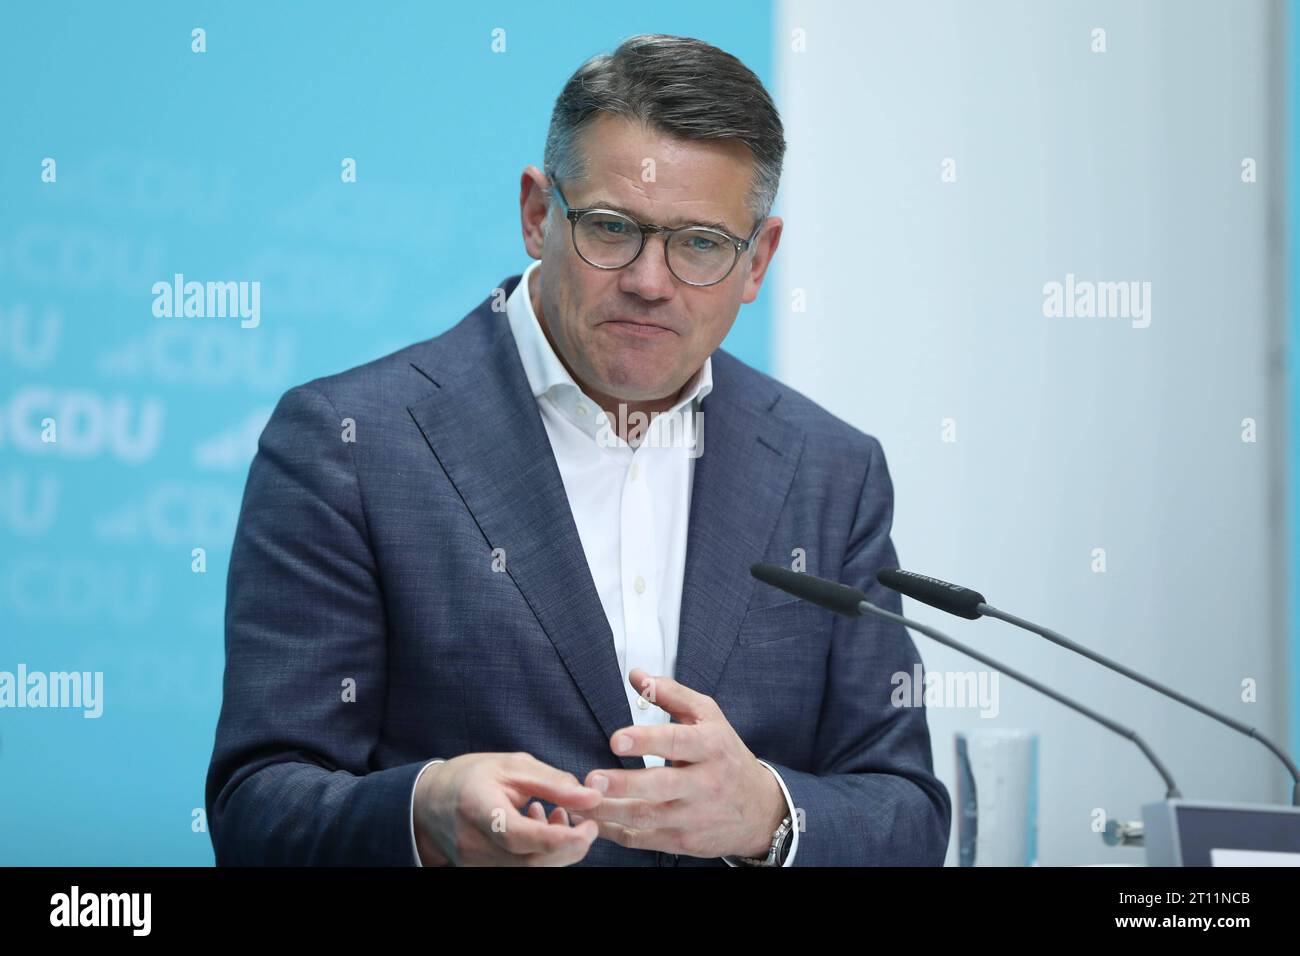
(701, 244)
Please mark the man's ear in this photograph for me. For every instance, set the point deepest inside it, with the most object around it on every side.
(534, 209)
(764, 249)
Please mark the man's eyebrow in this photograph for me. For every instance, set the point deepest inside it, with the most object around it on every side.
(601, 203)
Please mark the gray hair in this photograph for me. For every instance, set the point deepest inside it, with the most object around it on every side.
(680, 86)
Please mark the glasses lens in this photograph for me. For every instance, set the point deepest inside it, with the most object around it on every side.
(700, 256)
(606, 239)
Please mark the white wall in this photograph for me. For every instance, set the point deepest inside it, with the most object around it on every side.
(925, 302)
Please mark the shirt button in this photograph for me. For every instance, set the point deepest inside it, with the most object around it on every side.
(639, 584)
(582, 409)
(642, 703)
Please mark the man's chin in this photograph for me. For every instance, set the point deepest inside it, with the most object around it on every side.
(641, 396)
(636, 387)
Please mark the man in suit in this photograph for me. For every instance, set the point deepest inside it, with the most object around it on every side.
(489, 598)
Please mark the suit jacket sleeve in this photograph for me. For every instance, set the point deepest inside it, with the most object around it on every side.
(873, 799)
(292, 778)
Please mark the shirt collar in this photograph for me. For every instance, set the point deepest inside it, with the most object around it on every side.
(547, 376)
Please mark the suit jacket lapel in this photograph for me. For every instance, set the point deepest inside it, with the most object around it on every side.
(742, 478)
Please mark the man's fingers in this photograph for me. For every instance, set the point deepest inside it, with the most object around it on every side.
(681, 743)
(558, 816)
(640, 814)
(531, 838)
(571, 851)
(566, 855)
(532, 778)
(523, 835)
(659, 784)
(688, 706)
(667, 841)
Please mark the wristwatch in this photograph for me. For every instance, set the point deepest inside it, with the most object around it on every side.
(779, 850)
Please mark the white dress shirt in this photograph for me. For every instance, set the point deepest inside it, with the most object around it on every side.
(631, 505)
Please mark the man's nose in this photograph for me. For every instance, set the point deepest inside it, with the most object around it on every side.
(649, 276)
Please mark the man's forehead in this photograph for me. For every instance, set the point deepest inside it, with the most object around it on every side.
(655, 177)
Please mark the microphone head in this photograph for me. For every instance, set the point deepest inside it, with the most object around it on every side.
(831, 595)
(946, 597)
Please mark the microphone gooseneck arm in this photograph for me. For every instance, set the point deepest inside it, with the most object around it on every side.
(1171, 787)
(1063, 641)
(851, 602)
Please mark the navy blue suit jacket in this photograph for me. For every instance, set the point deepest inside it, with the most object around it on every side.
(371, 561)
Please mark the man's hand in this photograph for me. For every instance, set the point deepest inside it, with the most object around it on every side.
(466, 813)
(715, 799)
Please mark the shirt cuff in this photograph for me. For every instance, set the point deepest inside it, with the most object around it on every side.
(415, 850)
(794, 820)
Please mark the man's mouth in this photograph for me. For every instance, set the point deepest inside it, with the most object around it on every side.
(638, 327)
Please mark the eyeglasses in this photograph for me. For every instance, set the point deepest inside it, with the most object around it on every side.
(697, 255)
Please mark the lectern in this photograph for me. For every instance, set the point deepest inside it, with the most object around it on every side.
(1182, 832)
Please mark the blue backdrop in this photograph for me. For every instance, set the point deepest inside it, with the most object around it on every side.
(128, 158)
